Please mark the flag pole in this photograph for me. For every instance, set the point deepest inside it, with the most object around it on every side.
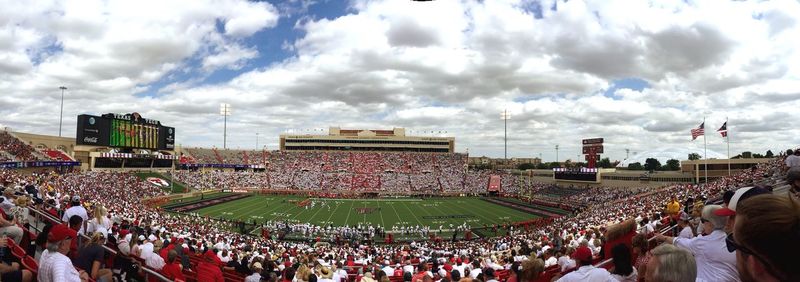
(728, 139)
(705, 151)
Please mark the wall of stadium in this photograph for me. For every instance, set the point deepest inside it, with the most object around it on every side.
(366, 140)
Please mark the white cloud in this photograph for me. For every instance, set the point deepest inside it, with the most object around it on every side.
(445, 65)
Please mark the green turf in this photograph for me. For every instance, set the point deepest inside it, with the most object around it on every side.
(410, 212)
(177, 186)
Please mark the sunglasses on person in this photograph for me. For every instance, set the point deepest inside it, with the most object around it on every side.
(732, 246)
(703, 220)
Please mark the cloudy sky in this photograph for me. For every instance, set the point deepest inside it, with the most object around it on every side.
(641, 74)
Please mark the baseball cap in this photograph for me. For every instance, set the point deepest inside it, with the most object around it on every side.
(76, 198)
(738, 196)
(583, 254)
(60, 232)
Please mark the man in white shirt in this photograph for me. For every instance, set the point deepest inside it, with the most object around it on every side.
(549, 258)
(683, 225)
(793, 160)
(388, 268)
(54, 265)
(76, 209)
(256, 276)
(586, 271)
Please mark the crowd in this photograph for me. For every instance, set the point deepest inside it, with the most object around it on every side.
(13, 149)
(165, 241)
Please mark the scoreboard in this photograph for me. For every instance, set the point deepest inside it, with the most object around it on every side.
(124, 131)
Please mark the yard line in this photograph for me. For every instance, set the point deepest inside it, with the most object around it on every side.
(512, 216)
(395, 212)
(489, 221)
(332, 213)
(314, 215)
(221, 206)
(414, 215)
(348, 213)
(365, 214)
(267, 212)
(383, 224)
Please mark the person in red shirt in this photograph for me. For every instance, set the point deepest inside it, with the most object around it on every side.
(173, 269)
(208, 269)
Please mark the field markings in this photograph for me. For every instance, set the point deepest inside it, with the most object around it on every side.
(332, 213)
(395, 212)
(235, 212)
(413, 214)
(514, 215)
(315, 214)
(216, 209)
(365, 214)
(348, 213)
(448, 220)
(267, 213)
(489, 221)
(383, 224)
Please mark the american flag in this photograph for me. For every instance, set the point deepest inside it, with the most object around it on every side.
(724, 129)
(698, 131)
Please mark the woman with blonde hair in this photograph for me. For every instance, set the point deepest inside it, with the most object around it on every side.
(100, 221)
(91, 257)
(302, 273)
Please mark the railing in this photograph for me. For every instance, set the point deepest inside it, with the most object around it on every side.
(148, 273)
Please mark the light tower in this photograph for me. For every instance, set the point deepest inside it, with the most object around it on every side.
(225, 111)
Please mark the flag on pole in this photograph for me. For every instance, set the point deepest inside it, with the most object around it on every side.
(698, 131)
(724, 129)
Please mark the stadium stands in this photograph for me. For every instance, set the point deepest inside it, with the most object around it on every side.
(122, 195)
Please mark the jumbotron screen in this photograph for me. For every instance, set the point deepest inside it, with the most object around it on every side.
(124, 131)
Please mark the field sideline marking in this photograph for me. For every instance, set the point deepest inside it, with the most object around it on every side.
(361, 200)
(267, 213)
(414, 215)
(397, 214)
(223, 206)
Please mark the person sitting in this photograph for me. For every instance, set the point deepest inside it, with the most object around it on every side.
(54, 265)
(10, 271)
(623, 265)
(91, 257)
(714, 263)
(671, 264)
(173, 268)
(208, 268)
(766, 236)
(586, 271)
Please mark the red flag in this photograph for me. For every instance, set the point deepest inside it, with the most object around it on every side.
(698, 131)
(724, 129)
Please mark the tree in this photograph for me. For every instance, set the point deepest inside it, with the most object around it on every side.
(604, 163)
(770, 154)
(541, 166)
(672, 164)
(652, 164)
(747, 155)
(635, 166)
(553, 165)
(758, 156)
(526, 166)
(694, 156)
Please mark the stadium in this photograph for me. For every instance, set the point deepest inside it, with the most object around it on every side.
(394, 168)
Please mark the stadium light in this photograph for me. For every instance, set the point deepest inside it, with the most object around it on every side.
(256, 140)
(505, 116)
(225, 111)
(556, 154)
(61, 115)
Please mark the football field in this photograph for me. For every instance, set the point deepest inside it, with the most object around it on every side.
(386, 212)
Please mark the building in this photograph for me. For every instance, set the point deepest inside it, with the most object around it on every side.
(501, 163)
(718, 167)
(394, 140)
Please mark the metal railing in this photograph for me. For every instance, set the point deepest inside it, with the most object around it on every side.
(148, 273)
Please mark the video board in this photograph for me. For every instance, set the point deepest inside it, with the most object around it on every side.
(124, 131)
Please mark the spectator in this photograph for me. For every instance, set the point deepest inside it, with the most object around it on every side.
(766, 237)
(91, 257)
(100, 221)
(671, 264)
(737, 198)
(623, 265)
(792, 159)
(714, 262)
(76, 209)
(256, 276)
(173, 268)
(531, 270)
(8, 227)
(586, 271)
(640, 246)
(565, 261)
(673, 206)
(684, 227)
(54, 265)
(793, 179)
(549, 258)
(11, 271)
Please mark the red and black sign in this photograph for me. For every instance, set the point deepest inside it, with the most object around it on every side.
(593, 141)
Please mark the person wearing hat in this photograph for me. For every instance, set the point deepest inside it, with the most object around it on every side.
(256, 276)
(714, 261)
(54, 265)
(367, 277)
(325, 275)
(736, 198)
(586, 271)
(76, 209)
(684, 226)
